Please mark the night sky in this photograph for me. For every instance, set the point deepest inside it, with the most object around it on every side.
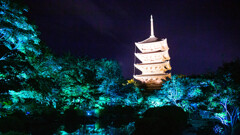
(201, 34)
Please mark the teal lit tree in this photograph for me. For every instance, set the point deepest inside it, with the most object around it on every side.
(223, 104)
(180, 91)
(15, 32)
(21, 83)
(109, 75)
(74, 83)
(17, 39)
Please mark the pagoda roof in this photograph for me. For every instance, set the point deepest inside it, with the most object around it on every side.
(149, 40)
(153, 68)
(152, 75)
(155, 63)
(156, 79)
(152, 45)
(153, 57)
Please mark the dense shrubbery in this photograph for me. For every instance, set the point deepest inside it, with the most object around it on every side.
(213, 95)
(169, 120)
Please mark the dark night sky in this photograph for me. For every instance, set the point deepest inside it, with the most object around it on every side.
(202, 34)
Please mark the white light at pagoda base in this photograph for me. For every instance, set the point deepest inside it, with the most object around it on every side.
(155, 61)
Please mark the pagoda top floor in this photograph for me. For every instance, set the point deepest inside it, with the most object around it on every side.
(153, 46)
(150, 40)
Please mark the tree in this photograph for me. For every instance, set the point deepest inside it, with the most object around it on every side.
(19, 41)
(229, 72)
(223, 104)
(21, 58)
(180, 91)
(109, 75)
(15, 32)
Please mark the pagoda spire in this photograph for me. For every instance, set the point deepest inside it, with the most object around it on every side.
(152, 29)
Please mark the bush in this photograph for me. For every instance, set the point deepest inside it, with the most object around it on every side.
(73, 118)
(116, 111)
(162, 120)
(71, 115)
(14, 122)
(116, 115)
(50, 114)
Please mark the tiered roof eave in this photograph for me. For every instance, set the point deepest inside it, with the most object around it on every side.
(159, 56)
(153, 46)
(154, 68)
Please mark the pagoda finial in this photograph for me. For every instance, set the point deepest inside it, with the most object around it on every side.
(152, 29)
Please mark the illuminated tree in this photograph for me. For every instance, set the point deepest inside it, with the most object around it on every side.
(15, 32)
(22, 79)
(180, 91)
(18, 44)
(223, 104)
(108, 74)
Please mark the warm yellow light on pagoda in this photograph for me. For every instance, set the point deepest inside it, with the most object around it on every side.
(155, 60)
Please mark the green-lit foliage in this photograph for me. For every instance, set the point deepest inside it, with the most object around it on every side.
(82, 83)
(109, 74)
(194, 94)
(18, 43)
(180, 91)
(15, 71)
(22, 60)
(223, 104)
(16, 33)
(133, 97)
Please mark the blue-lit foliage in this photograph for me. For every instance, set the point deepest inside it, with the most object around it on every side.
(200, 94)
(19, 47)
(180, 91)
(218, 130)
(15, 32)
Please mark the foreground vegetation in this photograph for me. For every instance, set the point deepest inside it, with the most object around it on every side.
(39, 88)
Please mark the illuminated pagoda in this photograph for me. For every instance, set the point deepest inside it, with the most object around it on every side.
(155, 61)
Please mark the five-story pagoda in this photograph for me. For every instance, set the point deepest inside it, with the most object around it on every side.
(155, 61)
